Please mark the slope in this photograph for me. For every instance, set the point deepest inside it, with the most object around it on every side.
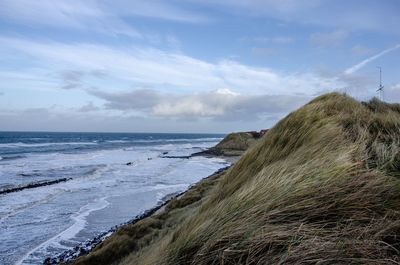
(321, 187)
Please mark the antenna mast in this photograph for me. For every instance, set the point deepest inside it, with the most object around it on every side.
(380, 89)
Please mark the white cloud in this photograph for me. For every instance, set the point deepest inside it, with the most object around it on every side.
(358, 66)
(162, 70)
(92, 15)
(111, 16)
(78, 15)
(209, 104)
(221, 104)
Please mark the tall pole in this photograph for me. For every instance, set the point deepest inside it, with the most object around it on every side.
(380, 89)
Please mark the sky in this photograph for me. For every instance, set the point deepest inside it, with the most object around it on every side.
(188, 65)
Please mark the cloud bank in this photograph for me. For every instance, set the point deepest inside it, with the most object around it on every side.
(221, 104)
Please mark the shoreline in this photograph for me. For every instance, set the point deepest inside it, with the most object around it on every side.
(87, 246)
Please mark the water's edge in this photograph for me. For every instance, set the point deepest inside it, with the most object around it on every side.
(87, 246)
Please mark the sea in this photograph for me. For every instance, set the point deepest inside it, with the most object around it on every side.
(58, 190)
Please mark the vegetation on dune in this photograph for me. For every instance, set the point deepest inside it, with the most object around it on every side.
(234, 144)
(321, 187)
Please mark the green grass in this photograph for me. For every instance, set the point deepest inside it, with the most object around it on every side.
(321, 187)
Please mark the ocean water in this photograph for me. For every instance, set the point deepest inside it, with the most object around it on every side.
(101, 191)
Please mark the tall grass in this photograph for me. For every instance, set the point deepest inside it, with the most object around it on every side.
(321, 187)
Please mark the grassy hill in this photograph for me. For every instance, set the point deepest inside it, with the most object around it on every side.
(234, 144)
(322, 187)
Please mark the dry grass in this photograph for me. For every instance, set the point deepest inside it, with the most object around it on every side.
(234, 144)
(322, 187)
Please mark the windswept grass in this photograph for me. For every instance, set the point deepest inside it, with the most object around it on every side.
(321, 187)
(234, 144)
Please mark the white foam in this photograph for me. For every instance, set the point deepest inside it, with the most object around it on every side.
(19, 204)
(180, 140)
(20, 144)
(69, 233)
(117, 141)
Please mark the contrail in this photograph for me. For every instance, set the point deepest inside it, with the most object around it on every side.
(356, 67)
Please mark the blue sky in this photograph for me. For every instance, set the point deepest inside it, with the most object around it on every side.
(187, 66)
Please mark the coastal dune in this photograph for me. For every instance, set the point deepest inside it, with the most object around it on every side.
(321, 187)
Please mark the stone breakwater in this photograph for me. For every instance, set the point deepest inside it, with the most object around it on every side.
(34, 185)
